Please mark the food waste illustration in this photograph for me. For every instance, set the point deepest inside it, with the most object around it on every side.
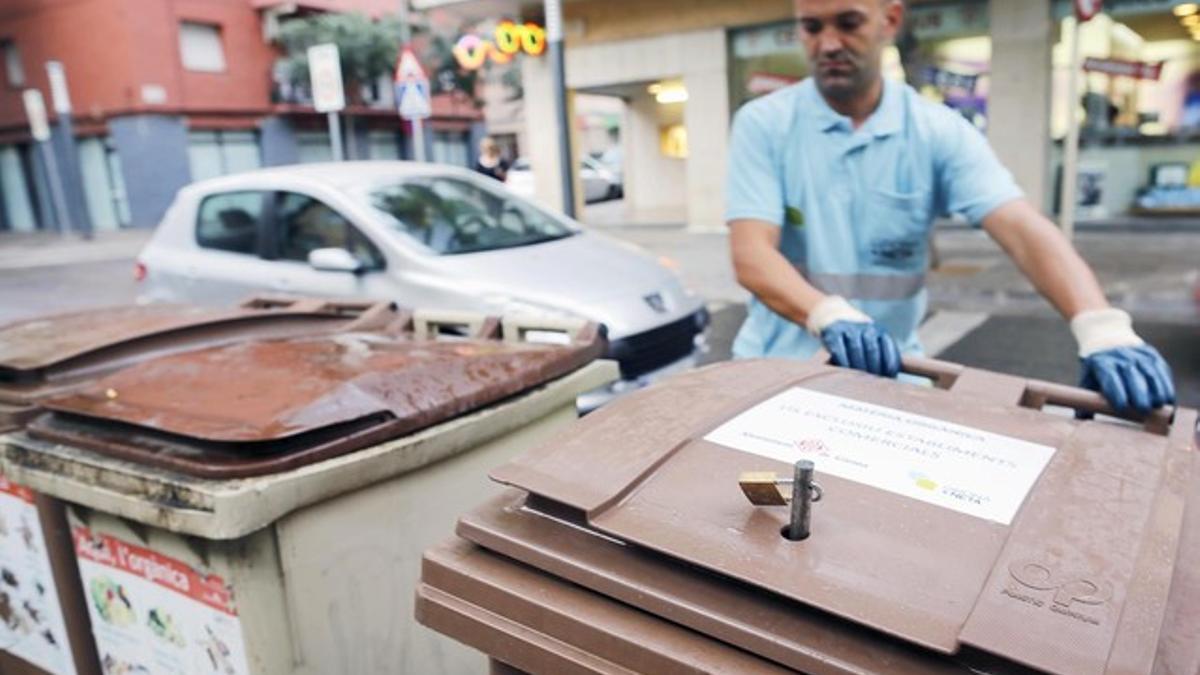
(152, 613)
(31, 621)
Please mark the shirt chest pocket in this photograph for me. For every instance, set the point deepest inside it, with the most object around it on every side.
(893, 227)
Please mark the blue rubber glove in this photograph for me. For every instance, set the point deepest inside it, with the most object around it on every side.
(862, 346)
(1130, 378)
(1131, 375)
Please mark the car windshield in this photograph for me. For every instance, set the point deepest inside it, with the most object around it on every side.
(453, 215)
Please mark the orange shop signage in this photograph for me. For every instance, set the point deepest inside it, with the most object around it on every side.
(507, 41)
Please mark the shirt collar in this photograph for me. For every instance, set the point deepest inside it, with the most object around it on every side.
(885, 121)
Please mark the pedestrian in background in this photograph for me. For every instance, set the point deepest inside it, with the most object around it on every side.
(490, 162)
(833, 186)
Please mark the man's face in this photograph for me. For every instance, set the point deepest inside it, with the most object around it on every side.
(845, 40)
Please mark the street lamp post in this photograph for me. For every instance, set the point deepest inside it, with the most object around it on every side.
(554, 43)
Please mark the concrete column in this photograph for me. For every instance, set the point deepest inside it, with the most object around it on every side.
(706, 118)
(541, 124)
(656, 186)
(153, 151)
(47, 215)
(277, 142)
(66, 156)
(1019, 101)
(475, 135)
(355, 137)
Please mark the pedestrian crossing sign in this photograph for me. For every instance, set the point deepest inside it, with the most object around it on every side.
(412, 88)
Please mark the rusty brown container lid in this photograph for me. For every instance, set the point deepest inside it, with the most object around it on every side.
(958, 517)
(260, 406)
(41, 354)
(47, 356)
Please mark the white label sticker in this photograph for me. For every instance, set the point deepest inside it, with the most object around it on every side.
(31, 619)
(155, 614)
(953, 466)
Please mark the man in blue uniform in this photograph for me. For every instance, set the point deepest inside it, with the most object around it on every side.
(833, 184)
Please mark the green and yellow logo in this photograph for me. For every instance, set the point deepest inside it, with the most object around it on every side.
(793, 217)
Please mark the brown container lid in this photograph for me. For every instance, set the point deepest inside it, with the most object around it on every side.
(540, 624)
(262, 406)
(46, 354)
(1073, 575)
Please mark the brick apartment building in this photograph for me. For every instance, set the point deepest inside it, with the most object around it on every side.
(165, 92)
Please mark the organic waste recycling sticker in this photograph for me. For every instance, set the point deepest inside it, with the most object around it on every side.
(950, 465)
(154, 614)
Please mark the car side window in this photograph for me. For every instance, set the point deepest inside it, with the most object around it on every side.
(306, 224)
(230, 222)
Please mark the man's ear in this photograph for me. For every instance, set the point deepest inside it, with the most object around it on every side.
(893, 17)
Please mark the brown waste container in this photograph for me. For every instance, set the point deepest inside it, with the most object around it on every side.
(961, 528)
(261, 506)
(44, 627)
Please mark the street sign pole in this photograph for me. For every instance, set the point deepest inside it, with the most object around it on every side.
(418, 128)
(57, 192)
(413, 98)
(1084, 11)
(69, 174)
(335, 136)
(39, 127)
(325, 73)
(418, 123)
(554, 42)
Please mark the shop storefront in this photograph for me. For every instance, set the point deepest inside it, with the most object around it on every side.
(1139, 108)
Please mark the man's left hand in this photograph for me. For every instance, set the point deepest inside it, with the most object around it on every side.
(1132, 375)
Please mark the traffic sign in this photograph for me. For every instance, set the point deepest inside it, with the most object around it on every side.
(325, 73)
(35, 109)
(412, 88)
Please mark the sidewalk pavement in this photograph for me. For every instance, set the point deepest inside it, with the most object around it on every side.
(45, 249)
(1152, 275)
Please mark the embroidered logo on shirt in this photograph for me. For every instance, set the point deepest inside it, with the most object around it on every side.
(894, 251)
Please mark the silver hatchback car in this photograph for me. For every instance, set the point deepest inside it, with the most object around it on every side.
(421, 235)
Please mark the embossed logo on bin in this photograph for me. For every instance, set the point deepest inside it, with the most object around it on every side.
(1072, 594)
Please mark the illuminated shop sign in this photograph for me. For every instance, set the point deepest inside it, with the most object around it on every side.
(508, 40)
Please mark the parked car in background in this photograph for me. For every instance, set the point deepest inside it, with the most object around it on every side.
(598, 182)
(422, 235)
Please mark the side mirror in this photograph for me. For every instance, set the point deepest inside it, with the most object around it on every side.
(334, 260)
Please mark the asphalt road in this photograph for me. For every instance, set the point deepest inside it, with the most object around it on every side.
(57, 288)
(1034, 347)
(1021, 345)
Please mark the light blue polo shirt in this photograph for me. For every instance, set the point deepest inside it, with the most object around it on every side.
(856, 206)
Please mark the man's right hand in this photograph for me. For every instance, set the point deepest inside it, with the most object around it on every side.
(853, 339)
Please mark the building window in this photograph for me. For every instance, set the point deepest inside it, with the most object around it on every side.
(451, 147)
(103, 186)
(13, 71)
(383, 145)
(219, 153)
(200, 47)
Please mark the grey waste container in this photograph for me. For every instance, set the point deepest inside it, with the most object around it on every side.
(262, 506)
(44, 626)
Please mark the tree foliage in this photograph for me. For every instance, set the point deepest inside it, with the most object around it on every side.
(367, 48)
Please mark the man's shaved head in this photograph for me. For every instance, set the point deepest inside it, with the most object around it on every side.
(844, 40)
